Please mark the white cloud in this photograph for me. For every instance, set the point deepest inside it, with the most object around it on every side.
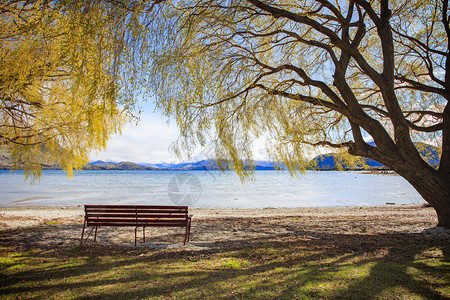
(148, 141)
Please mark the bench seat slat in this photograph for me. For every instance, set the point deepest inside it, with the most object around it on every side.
(134, 220)
(140, 224)
(136, 206)
(180, 211)
(139, 215)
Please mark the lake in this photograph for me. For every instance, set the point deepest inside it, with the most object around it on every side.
(206, 189)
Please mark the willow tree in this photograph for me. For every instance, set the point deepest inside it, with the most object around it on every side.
(67, 73)
(310, 73)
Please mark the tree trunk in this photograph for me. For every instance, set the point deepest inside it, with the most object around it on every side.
(434, 188)
(443, 217)
(440, 201)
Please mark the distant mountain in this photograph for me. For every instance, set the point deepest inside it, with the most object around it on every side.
(5, 161)
(126, 165)
(207, 165)
(156, 166)
(431, 154)
(103, 163)
(333, 161)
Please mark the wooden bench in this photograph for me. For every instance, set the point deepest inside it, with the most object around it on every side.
(135, 216)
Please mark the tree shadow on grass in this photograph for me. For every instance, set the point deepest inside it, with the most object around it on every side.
(299, 263)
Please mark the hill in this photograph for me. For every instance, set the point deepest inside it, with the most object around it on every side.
(126, 165)
(5, 161)
(6, 164)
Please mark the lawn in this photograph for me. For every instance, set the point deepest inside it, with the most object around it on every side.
(337, 266)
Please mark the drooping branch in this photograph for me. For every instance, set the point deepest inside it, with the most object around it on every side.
(371, 12)
(424, 56)
(304, 98)
(423, 113)
(330, 144)
(309, 42)
(277, 13)
(418, 43)
(433, 128)
(380, 111)
(418, 86)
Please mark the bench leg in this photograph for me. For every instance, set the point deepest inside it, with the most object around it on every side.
(135, 237)
(186, 235)
(143, 233)
(95, 236)
(82, 233)
(188, 232)
(81, 242)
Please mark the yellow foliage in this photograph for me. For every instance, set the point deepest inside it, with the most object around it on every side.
(63, 86)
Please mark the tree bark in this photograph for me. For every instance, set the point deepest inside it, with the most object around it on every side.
(432, 185)
(436, 191)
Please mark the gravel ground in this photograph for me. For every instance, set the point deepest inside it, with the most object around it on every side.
(45, 228)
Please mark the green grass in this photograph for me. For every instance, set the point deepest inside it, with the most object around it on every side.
(341, 267)
(233, 263)
(51, 222)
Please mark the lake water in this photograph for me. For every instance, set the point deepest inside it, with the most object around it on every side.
(206, 189)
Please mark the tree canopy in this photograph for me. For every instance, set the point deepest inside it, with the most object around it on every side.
(305, 73)
(67, 74)
(310, 72)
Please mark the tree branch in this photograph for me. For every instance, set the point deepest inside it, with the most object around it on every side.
(414, 85)
(433, 128)
(304, 98)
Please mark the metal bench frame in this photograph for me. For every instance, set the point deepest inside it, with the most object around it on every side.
(135, 216)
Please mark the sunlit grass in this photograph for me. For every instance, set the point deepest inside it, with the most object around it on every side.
(285, 270)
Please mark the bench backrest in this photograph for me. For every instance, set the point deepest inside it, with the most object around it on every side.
(136, 215)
